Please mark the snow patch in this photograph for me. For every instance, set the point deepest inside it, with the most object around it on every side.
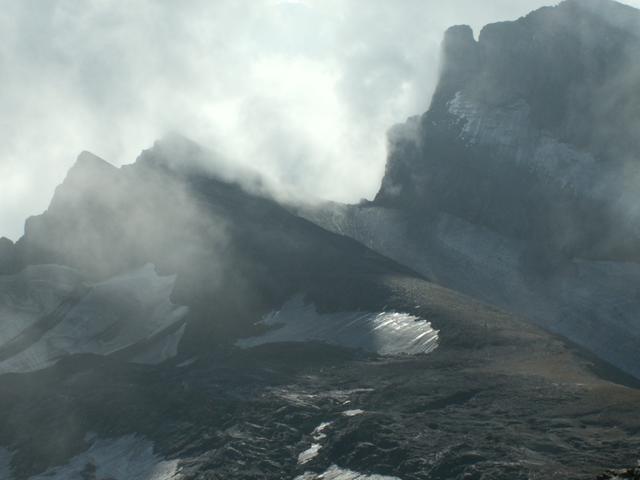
(337, 473)
(54, 321)
(353, 413)
(385, 333)
(125, 458)
(187, 362)
(510, 130)
(309, 454)
(318, 433)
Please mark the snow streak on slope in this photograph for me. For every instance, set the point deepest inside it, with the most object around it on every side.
(337, 473)
(510, 130)
(385, 333)
(309, 454)
(51, 322)
(125, 458)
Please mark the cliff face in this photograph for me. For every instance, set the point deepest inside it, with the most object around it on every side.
(532, 132)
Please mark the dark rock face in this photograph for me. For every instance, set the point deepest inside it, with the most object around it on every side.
(533, 132)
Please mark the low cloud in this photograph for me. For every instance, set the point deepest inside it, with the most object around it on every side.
(302, 91)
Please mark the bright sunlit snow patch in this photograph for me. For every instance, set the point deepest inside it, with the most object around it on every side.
(309, 454)
(318, 435)
(353, 413)
(319, 432)
(125, 458)
(385, 333)
(337, 473)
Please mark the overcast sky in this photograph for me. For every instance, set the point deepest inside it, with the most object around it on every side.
(302, 91)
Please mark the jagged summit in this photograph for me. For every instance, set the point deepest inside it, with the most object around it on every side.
(457, 38)
(459, 61)
(532, 132)
(87, 170)
(178, 153)
(89, 162)
(86, 158)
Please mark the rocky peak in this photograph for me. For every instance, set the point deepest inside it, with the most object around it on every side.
(459, 61)
(89, 165)
(552, 58)
(175, 152)
(532, 131)
(90, 175)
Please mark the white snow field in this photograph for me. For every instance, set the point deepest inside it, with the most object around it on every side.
(125, 458)
(60, 315)
(337, 473)
(385, 333)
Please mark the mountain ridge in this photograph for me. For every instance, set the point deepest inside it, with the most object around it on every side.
(498, 116)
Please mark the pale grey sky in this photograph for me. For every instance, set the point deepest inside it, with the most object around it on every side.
(301, 90)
